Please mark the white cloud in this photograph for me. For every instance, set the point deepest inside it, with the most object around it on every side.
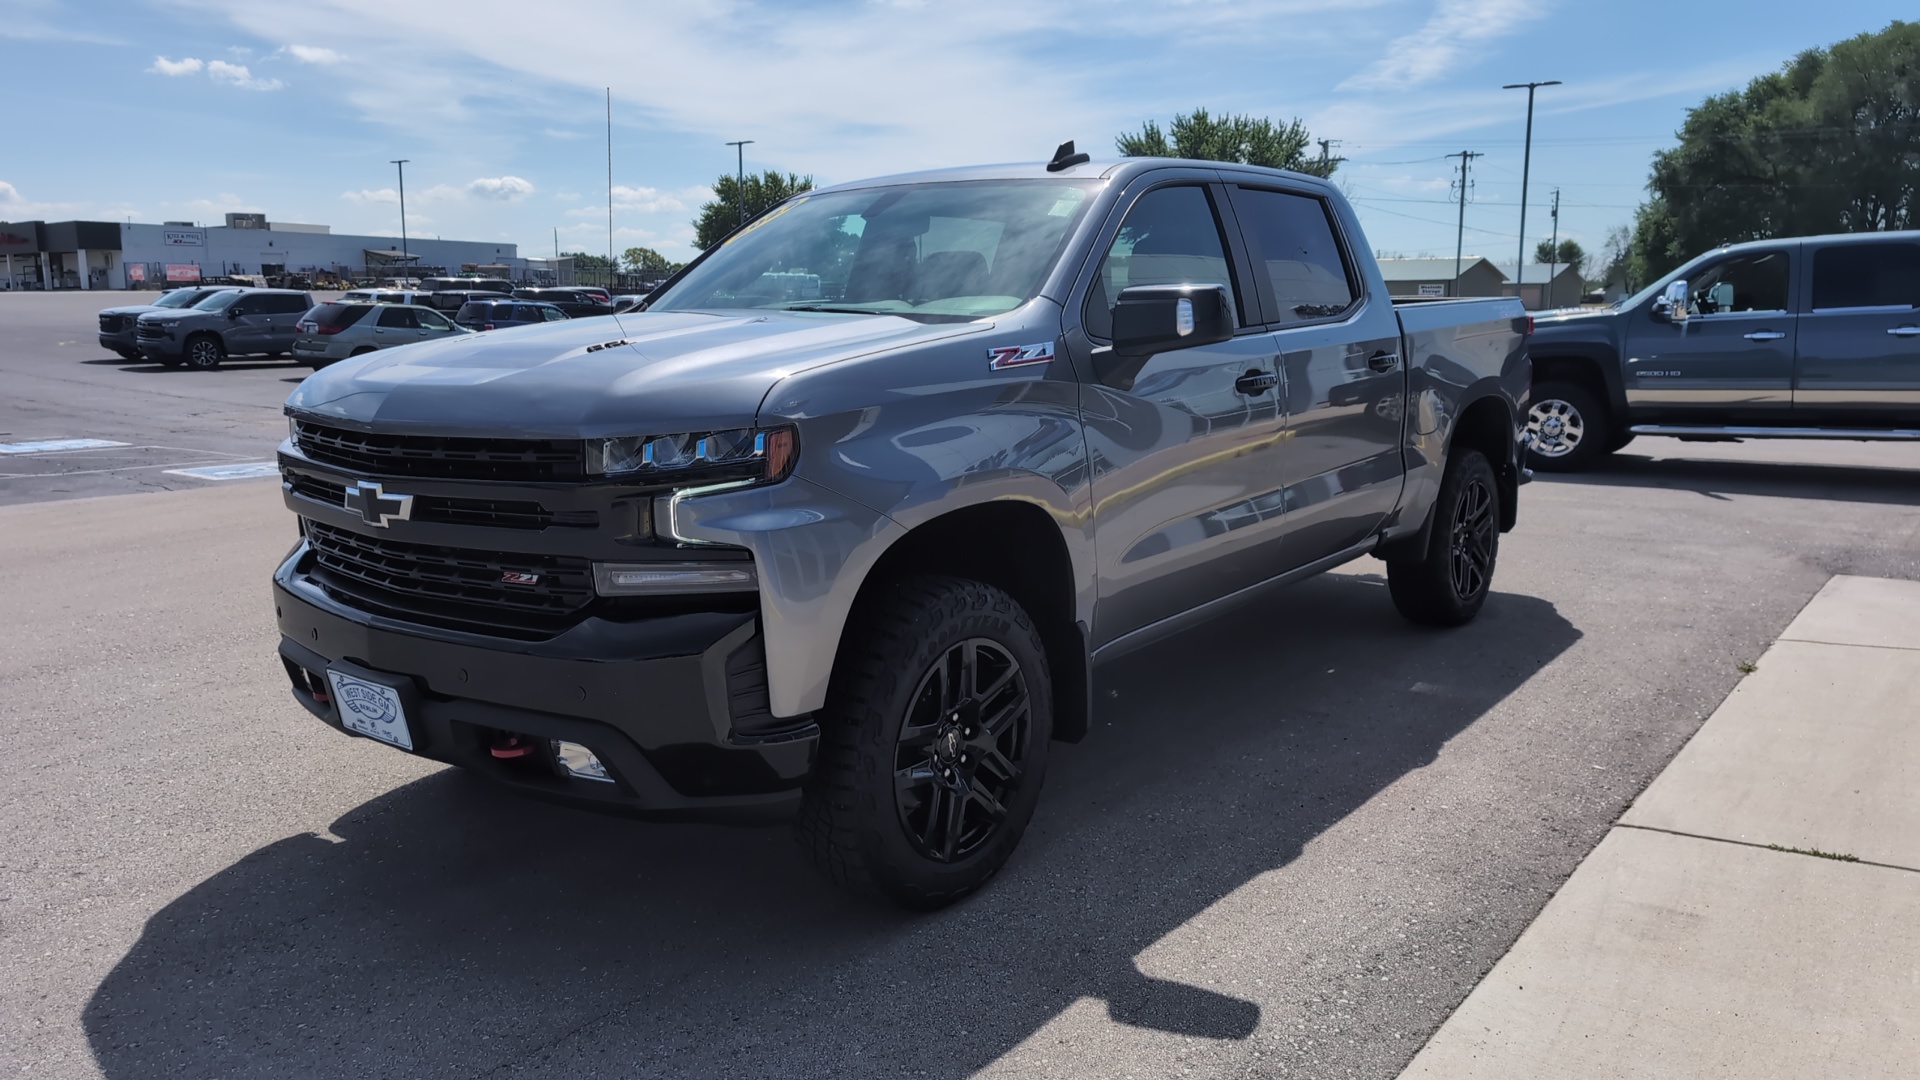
(238, 75)
(184, 66)
(372, 195)
(1436, 48)
(314, 54)
(503, 188)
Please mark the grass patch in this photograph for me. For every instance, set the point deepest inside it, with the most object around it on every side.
(1748, 667)
(1815, 852)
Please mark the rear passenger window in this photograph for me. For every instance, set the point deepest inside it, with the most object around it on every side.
(1294, 248)
(397, 318)
(285, 304)
(552, 314)
(1866, 275)
(1169, 237)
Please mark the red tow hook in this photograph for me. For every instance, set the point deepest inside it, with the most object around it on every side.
(512, 746)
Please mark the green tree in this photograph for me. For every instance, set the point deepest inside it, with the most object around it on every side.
(721, 216)
(1829, 143)
(1569, 253)
(647, 262)
(1615, 254)
(1248, 140)
(584, 261)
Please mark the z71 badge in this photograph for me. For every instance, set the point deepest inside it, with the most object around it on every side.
(1007, 356)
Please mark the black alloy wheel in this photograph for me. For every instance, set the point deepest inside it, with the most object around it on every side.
(961, 749)
(1475, 534)
(1450, 582)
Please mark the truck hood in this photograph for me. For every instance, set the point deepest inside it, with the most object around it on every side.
(130, 309)
(631, 374)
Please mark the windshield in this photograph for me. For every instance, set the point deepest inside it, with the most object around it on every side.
(937, 252)
(176, 298)
(219, 301)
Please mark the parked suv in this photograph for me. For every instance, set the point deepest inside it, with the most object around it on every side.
(853, 560)
(338, 330)
(117, 324)
(239, 322)
(577, 303)
(500, 314)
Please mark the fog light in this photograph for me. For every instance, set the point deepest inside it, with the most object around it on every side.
(673, 578)
(577, 760)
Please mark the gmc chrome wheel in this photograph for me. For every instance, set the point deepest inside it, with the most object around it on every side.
(1555, 428)
(961, 750)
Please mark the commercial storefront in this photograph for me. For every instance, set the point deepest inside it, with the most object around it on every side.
(60, 255)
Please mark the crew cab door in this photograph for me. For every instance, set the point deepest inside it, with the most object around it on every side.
(1345, 380)
(1859, 354)
(1186, 475)
(1731, 359)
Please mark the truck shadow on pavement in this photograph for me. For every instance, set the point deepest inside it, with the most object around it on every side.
(1787, 480)
(450, 928)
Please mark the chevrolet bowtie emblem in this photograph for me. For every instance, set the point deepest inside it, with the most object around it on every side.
(375, 506)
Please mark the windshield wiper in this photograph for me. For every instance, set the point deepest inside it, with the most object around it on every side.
(837, 310)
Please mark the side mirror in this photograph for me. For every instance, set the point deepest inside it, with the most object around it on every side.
(236, 311)
(1672, 305)
(1152, 319)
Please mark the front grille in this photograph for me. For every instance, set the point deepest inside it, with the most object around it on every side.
(451, 586)
(443, 457)
(113, 324)
(496, 513)
(151, 330)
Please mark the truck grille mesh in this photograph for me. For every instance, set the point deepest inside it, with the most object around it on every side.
(452, 586)
(444, 457)
(495, 513)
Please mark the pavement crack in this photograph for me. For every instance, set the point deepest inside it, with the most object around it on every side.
(1777, 848)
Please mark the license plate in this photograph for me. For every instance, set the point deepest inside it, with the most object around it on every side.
(371, 709)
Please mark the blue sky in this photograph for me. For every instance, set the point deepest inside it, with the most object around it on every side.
(191, 108)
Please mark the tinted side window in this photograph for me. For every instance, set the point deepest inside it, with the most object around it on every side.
(283, 304)
(397, 318)
(1293, 243)
(430, 319)
(1752, 282)
(1866, 275)
(1169, 237)
(552, 314)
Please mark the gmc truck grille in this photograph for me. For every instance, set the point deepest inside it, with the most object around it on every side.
(443, 457)
(149, 330)
(112, 324)
(495, 513)
(452, 586)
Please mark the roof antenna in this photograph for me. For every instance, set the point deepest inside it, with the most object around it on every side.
(1065, 158)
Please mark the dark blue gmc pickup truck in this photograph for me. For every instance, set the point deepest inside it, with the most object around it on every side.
(1811, 337)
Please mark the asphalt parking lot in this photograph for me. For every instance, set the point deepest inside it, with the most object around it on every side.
(1293, 843)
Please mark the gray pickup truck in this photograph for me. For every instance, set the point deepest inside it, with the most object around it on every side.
(839, 526)
(1808, 338)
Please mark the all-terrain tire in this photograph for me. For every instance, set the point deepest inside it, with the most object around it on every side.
(875, 805)
(204, 352)
(1568, 428)
(1449, 584)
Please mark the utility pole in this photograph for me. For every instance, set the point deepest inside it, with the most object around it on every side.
(610, 262)
(1326, 155)
(1553, 250)
(1526, 163)
(405, 258)
(740, 178)
(1460, 238)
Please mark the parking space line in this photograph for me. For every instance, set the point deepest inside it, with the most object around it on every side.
(42, 446)
(97, 472)
(238, 471)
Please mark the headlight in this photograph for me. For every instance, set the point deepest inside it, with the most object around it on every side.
(673, 578)
(762, 456)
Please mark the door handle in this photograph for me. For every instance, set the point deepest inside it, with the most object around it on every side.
(1905, 331)
(1256, 382)
(1766, 335)
(1383, 361)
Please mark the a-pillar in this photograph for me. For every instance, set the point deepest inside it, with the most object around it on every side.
(86, 272)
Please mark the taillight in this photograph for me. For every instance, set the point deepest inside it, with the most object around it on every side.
(1529, 326)
(486, 326)
(333, 329)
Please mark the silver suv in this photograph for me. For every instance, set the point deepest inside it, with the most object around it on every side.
(336, 331)
(242, 322)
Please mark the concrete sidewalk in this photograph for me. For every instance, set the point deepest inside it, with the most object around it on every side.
(1756, 913)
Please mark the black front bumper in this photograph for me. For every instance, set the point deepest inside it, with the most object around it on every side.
(654, 699)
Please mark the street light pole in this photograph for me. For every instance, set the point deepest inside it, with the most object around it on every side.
(1526, 164)
(405, 256)
(740, 177)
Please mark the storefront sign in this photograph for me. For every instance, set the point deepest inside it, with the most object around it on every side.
(1433, 290)
(184, 238)
(183, 272)
(18, 241)
(136, 272)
